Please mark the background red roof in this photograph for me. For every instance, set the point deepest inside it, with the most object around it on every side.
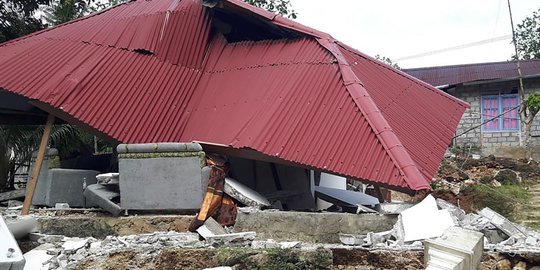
(452, 75)
(157, 71)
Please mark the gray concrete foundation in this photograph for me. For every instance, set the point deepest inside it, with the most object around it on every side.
(51, 160)
(161, 176)
(310, 227)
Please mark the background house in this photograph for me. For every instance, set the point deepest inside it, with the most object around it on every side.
(490, 89)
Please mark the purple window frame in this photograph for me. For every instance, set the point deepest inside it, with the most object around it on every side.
(494, 105)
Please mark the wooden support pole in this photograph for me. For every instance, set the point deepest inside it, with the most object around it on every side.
(31, 186)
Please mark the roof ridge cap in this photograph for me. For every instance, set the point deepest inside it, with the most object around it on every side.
(406, 75)
(379, 125)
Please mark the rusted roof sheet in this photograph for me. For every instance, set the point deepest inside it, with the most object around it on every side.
(457, 74)
(153, 71)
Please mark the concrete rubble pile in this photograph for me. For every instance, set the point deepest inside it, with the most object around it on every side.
(430, 218)
(59, 252)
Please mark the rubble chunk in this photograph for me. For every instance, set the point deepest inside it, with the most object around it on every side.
(424, 220)
(352, 239)
(502, 223)
(37, 258)
(232, 239)
(210, 228)
(392, 208)
(103, 196)
(244, 194)
(108, 178)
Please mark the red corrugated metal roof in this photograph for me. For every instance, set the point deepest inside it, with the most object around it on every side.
(153, 71)
(457, 74)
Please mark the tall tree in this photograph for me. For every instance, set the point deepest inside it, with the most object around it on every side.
(16, 19)
(281, 7)
(528, 37)
(61, 11)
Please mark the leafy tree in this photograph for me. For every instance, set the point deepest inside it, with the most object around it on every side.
(61, 11)
(281, 7)
(528, 37)
(18, 142)
(527, 46)
(17, 19)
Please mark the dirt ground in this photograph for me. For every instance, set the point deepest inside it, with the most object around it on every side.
(179, 259)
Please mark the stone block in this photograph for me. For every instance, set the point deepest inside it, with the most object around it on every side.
(457, 248)
(210, 228)
(153, 180)
(103, 196)
(232, 239)
(67, 186)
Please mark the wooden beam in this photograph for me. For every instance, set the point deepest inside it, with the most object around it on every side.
(31, 186)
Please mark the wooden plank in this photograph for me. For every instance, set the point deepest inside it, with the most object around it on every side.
(12, 195)
(31, 186)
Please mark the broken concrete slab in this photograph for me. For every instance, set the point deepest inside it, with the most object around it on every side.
(103, 197)
(457, 248)
(264, 244)
(11, 257)
(308, 226)
(244, 194)
(503, 223)
(392, 208)
(38, 258)
(73, 245)
(12, 195)
(210, 228)
(108, 178)
(345, 197)
(352, 239)
(425, 220)
(232, 239)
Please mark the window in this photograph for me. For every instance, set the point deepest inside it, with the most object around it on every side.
(496, 105)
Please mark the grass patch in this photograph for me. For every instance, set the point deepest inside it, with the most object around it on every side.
(505, 199)
(275, 258)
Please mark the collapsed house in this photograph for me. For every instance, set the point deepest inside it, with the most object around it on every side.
(238, 80)
(172, 82)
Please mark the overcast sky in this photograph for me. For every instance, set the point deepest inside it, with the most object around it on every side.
(399, 29)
